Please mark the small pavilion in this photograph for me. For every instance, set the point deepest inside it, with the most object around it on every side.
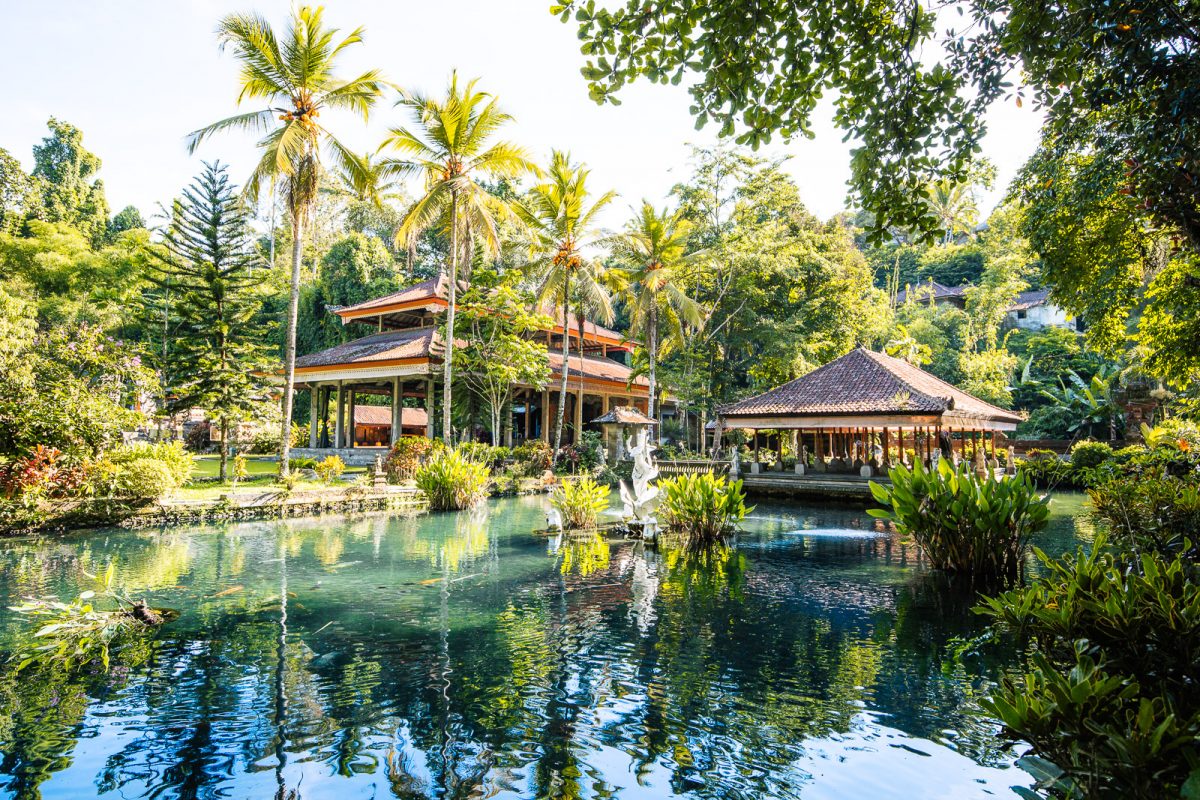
(869, 410)
(616, 426)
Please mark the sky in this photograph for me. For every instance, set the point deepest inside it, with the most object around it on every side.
(137, 76)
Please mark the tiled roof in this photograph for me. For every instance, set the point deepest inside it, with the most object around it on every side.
(589, 328)
(382, 415)
(624, 415)
(923, 291)
(408, 343)
(434, 288)
(864, 382)
(1027, 300)
(594, 367)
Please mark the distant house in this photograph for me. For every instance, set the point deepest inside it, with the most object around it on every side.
(1031, 310)
(373, 424)
(1034, 311)
(932, 290)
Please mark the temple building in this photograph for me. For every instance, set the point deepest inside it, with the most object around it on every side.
(401, 360)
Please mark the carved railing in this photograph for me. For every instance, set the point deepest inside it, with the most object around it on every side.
(692, 467)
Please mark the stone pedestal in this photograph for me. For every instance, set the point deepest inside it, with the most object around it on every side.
(801, 469)
(755, 468)
(866, 471)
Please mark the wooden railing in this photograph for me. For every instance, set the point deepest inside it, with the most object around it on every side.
(668, 468)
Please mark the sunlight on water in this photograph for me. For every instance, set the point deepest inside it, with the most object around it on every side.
(475, 655)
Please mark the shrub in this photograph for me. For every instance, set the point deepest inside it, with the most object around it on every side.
(405, 456)
(1090, 454)
(330, 469)
(197, 438)
(240, 469)
(535, 456)
(964, 523)
(702, 505)
(1109, 697)
(43, 473)
(1144, 512)
(452, 481)
(173, 454)
(488, 455)
(302, 462)
(580, 502)
(144, 479)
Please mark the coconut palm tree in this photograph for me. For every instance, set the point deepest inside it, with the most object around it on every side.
(652, 254)
(955, 206)
(450, 146)
(562, 226)
(295, 77)
(365, 180)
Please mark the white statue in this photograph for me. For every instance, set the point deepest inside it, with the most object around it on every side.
(641, 498)
(553, 520)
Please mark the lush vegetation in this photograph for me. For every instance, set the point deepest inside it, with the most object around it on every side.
(976, 526)
(580, 502)
(703, 506)
(451, 480)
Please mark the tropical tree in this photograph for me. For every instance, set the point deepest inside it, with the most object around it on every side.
(653, 255)
(955, 207)
(208, 261)
(450, 145)
(296, 78)
(562, 226)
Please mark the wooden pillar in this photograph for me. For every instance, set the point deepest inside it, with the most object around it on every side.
(579, 416)
(546, 416)
(754, 433)
(397, 405)
(350, 418)
(993, 444)
(886, 463)
(429, 408)
(339, 416)
(313, 391)
(527, 397)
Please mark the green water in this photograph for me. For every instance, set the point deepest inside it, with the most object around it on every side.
(467, 656)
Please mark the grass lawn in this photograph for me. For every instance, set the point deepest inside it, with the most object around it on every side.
(207, 466)
(211, 490)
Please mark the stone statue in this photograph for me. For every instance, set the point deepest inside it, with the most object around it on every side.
(640, 498)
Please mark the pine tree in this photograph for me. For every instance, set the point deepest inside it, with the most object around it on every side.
(208, 262)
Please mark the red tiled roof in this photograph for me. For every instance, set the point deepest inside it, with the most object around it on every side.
(866, 382)
(382, 415)
(407, 343)
(432, 289)
(589, 328)
(624, 415)
(597, 368)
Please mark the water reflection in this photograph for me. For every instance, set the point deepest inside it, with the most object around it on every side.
(464, 656)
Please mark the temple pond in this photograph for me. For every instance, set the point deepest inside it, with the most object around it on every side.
(464, 655)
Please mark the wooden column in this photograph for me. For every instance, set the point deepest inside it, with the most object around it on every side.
(350, 418)
(397, 405)
(754, 433)
(429, 408)
(313, 391)
(884, 440)
(900, 446)
(339, 416)
(546, 416)
(527, 396)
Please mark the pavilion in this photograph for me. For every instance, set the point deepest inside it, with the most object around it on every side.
(401, 359)
(867, 410)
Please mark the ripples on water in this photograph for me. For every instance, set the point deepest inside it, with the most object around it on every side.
(466, 656)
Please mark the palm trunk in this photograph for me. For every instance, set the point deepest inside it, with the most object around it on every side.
(289, 361)
(566, 354)
(579, 315)
(653, 353)
(447, 366)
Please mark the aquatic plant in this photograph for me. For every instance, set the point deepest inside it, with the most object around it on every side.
(1108, 701)
(80, 632)
(580, 502)
(962, 522)
(702, 505)
(451, 481)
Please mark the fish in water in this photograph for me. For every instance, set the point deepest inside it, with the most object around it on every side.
(431, 581)
(229, 591)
